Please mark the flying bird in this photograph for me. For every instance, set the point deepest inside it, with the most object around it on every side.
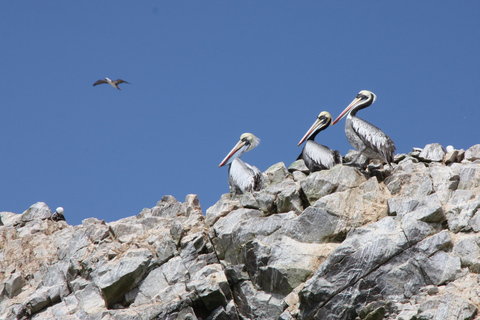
(58, 215)
(113, 83)
(243, 177)
(363, 136)
(316, 156)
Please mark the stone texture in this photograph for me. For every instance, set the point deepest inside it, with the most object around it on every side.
(473, 153)
(335, 244)
(432, 152)
(338, 178)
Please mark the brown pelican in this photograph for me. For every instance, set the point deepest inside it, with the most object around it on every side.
(58, 215)
(113, 83)
(316, 156)
(243, 177)
(363, 136)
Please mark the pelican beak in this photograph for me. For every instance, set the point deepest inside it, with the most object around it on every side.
(347, 109)
(318, 123)
(235, 149)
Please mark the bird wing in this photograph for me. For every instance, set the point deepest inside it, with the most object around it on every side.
(120, 81)
(244, 176)
(374, 138)
(99, 82)
(321, 155)
(258, 180)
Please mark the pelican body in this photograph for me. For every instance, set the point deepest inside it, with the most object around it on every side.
(363, 136)
(113, 83)
(243, 177)
(316, 156)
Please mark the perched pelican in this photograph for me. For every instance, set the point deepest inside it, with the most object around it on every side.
(316, 156)
(363, 136)
(113, 83)
(243, 177)
(58, 215)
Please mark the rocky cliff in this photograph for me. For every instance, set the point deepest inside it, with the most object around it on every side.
(335, 244)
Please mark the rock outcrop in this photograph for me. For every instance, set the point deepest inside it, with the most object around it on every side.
(334, 244)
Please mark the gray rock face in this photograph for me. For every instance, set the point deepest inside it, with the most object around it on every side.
(432, 152)
(473, 153)
(335, 244)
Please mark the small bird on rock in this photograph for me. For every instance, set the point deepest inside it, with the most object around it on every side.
(58, 215)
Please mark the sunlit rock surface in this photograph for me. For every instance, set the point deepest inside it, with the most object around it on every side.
(402, 243)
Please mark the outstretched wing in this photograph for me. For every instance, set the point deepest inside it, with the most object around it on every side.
(118, 81)
(99, 82)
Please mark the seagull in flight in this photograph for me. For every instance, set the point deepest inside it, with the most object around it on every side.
(113, 83)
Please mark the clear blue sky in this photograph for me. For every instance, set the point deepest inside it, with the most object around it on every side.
(204, 72)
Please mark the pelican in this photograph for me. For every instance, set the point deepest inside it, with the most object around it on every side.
(113, 83)
(58, 215)
(243, 177)
(363, 136)
(316, 156)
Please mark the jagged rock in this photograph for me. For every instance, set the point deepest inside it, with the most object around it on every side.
(453, 155)
(9, 218)
(168, 207)
(356, 206)
(119, 276)
(223, 206)
(338, 178)
(336, 244)
(363, 257)
(469, 175)
(298, 165)
(239, 227)
(257, 304)
(432, 152)
(156, 286)
(415, 152)
(210, 284)
(126, 230)
(166, 247)
(298, 176)
(90, 299)
(39, 210)
(444, 181)
(468, 250)
(473, 153)
(96, 230)
(14, 284)
(277, 173)
(411, 174)
(462, 211)
(447, 306)
(285, 195)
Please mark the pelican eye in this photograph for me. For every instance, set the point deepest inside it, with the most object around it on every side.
(362, 96)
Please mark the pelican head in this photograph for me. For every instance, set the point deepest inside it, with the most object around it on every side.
(246, 143)
(323, 121)
(59, 210)
(363, 99)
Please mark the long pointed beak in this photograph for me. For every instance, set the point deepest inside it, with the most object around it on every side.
(347, 109)
(235, 149)
(312, 129)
